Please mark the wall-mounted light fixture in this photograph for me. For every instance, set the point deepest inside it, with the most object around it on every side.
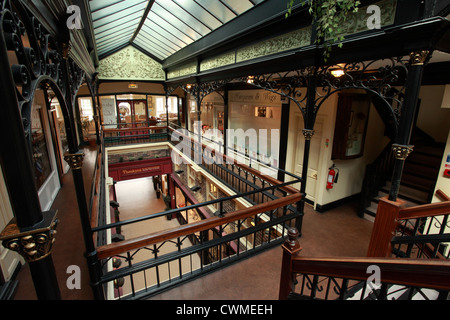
(337, 73)
(195, 188)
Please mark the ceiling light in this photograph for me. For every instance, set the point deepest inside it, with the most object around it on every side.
(337, 73)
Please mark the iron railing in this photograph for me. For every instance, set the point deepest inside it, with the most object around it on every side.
(351, 279)
(131, 135)
(420, 235)
(144, 266)
(423, 231)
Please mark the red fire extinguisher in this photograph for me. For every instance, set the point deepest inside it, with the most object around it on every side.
(333, 175)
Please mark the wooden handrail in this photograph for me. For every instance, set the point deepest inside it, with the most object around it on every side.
(425, 273)
(387, 220)
(134, 129)
(116, 248)
(95, 191)
(442, 195)
(425, 210)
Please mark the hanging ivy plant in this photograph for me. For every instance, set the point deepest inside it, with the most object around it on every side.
(330, 16)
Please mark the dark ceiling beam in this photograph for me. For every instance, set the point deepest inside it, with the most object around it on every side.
(88, 29)
(268, 19)
(390, 42)
(141, 23)
(241, 25)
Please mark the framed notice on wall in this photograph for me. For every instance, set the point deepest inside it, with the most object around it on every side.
(109, 112)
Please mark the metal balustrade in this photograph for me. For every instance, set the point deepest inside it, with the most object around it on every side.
(140, 267)
(418, 234)
(121, 135)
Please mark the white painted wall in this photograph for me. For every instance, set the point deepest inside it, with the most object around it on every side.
(351, 172)
(432, 118)
(8, 259)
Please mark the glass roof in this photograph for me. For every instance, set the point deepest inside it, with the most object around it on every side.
(161, 27)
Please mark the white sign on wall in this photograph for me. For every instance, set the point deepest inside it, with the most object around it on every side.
(109, 112)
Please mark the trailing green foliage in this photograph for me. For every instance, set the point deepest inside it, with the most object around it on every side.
(329, 16)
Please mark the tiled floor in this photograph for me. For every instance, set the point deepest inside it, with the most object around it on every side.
(337, 232)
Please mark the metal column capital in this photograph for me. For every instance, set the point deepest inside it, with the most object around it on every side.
(401, 152)
(308, 133)
(75, 160)
(34, 243)
(418, 58)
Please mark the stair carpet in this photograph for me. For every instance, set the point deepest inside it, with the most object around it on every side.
(418, 179)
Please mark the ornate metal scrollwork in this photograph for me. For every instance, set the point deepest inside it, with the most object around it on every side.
(201, 90)
(36, 57)
(377, 76)
(288, 84)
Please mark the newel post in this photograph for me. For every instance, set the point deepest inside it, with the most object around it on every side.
(386, 221)
(291, 248)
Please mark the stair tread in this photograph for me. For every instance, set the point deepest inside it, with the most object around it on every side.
(421, 183)
(418, 169)
(407, 192)
(430, 150)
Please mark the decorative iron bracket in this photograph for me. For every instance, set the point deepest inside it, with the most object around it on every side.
(75, 160)
(401, 152)
(419, 58)
(308, 133)
(31, 243)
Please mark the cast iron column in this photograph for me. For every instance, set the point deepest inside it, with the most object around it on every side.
(75, 161)
(74, 157)
(308, 132)
(31, 232)
(225, 120)
(401, 146)
(93, 91)
(285, 109)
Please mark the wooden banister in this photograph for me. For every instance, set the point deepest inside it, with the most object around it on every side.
(116, 248)
(425, 210)
(386, 222)
(425, 273)
(442, 195)
(291, 248)
(389, 214)
(134, 129)
(95, 190)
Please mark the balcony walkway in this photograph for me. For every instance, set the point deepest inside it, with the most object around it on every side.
(337, 232)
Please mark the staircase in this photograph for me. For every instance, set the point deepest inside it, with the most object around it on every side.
(421, 272)
(418, 179)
